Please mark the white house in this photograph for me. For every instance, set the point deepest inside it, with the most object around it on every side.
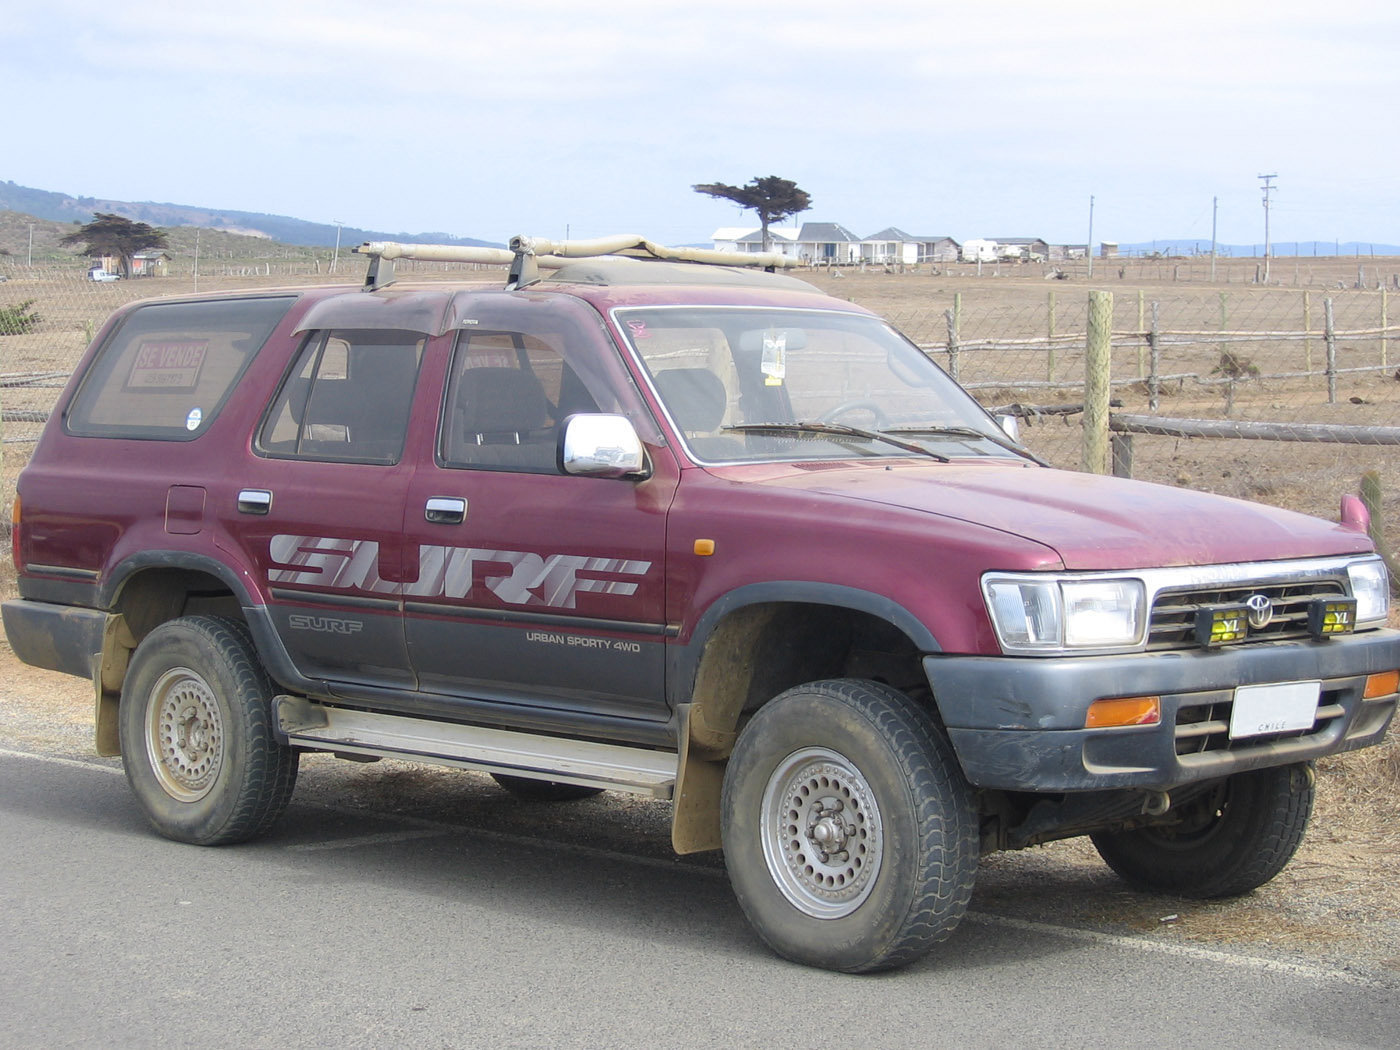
(748, 239)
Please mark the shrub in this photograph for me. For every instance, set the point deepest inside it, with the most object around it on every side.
(18, 319)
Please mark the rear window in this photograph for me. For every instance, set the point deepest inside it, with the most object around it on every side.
(168, 369)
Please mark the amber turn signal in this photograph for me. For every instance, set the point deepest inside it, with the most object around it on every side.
(1382, 684)
(1124, 711)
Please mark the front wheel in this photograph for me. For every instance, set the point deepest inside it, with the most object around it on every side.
(850, 834)
(196, 734)
(1233, 839)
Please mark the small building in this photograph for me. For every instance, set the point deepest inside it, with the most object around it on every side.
(1108, 249)
(823, 243)
(153, 262)
(1022, 249)
(749, 239)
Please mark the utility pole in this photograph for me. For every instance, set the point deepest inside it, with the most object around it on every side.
(1089, 248)
(1214, 214)
(336, 255)
(1268, 190)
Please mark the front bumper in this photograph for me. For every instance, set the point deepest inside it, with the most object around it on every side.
(1017, 723)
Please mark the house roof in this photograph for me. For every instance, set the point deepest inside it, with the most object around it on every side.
(757, 236)
(1020, 240)
(891, 233)
(826, 233)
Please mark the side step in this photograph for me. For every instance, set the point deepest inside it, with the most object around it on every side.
(612, 767)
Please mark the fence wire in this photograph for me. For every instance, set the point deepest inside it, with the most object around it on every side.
(1312, 354)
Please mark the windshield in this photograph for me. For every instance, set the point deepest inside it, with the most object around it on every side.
(748, 384)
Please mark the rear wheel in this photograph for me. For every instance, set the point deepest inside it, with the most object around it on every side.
(196, 734)
(850, 834)
(1236, 837)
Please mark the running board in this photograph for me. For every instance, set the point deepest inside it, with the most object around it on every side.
(613, 767)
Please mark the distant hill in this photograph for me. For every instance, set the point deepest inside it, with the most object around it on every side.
(60, 207)
(1279, 249)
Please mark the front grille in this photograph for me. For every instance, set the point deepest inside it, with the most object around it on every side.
(1205, 727)
(1173, 624)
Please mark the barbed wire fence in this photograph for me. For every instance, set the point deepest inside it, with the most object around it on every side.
(1292, 358)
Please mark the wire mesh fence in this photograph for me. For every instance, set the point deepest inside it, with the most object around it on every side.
(1313, 353)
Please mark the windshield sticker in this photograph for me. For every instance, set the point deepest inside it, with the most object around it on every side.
(195, 418)
(170, 364)
(638, 329)
(774, 365)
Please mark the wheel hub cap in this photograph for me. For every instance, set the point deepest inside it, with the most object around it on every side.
(185, 735)
(821, 833)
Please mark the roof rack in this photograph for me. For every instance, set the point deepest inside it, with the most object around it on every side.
(528, 255)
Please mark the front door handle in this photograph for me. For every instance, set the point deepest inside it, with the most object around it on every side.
(445, 510)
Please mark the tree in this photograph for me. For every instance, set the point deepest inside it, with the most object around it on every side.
(771, 197)
(115, 235)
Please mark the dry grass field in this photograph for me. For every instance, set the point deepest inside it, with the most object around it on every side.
(1351, 862)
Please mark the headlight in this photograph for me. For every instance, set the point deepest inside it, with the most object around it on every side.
(1044, 614)
(1371, 589)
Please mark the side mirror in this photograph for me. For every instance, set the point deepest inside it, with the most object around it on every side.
(1011, 427)
(602, 446)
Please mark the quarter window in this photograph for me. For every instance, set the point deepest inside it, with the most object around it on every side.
(167, 370)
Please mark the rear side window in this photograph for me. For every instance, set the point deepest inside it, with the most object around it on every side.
(346, 398)
(168, 369)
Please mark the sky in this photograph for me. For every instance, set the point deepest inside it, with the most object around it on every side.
(572, 119)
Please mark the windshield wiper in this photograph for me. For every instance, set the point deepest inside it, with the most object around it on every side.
(972, 432)
(839, 429)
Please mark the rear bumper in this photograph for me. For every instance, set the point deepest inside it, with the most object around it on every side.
(56, 637)
(1018, 723)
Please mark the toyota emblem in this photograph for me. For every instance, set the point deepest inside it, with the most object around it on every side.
(1261, 610)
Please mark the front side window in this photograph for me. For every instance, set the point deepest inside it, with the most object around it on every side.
(746, 384)
(347, 398)
(168, 369)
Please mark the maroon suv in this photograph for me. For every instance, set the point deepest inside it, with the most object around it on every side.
(692, 531)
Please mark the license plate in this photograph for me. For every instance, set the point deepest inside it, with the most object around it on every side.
(1263, 709)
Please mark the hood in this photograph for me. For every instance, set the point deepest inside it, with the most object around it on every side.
(1093, 522)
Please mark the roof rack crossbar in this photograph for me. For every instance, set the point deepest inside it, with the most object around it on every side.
(528, 255)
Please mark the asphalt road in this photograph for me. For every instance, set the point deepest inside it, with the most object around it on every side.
(360, 927)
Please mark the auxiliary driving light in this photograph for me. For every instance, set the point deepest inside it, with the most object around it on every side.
(1221, 625)
(1329, 616)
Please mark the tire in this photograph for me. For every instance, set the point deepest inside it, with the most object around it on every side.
(1233, 839)
(858, 766)
(543, 790)
(196, 734)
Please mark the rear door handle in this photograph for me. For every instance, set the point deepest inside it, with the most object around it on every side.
(445, 510)
(254, 501)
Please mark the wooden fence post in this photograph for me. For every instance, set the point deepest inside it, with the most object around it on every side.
(1307, 331)
(1143, 346)
(1224, 319)
(951, 316)
(1050, 333)
(1330, 334)
(1385, 323)
(1154, 380)
(1098, 364)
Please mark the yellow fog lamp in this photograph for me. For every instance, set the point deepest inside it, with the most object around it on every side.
(1221, 625)
(1329, 616)
(1124, 711)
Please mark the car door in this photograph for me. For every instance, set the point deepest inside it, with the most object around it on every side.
(535, 590)
(321, 504)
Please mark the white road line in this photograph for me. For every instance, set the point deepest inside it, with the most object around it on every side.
(55, 760)
(359, 841)
(1186, 951)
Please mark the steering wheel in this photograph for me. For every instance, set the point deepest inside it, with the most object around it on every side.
(861, 404)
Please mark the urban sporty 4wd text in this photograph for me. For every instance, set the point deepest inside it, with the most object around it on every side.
(690, 530)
